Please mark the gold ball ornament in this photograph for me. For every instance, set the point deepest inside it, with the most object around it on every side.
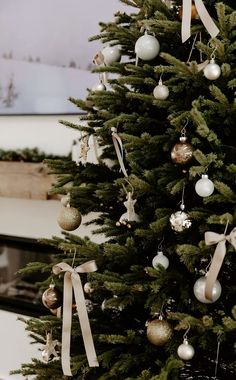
(182, 152)
(194, 13)
(159, 332)
(52, 297)
(69, 218)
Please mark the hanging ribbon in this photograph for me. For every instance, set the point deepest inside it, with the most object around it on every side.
(119, 150)
(72, 282)
(203, 15)
(212, 238)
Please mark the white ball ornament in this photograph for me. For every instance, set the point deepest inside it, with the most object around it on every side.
(212, 71)
(147, 47)
(99, 87)
(111, 54)
(185, 350)
(160, 259)
(204, 187)
(161, 92)
(199, 290)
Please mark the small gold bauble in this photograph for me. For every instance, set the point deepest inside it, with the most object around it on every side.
(159, 332)
(69, 218)
(181, 153)
(194, 13)
(52, 298)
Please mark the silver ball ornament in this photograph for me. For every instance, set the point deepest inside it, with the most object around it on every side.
(111, 54)
(212, 71)
(88, 288)
(180, 221)
(160, 259)
(185, 351)
(161, 92)
(89, 305)
(204, 187)
(199, 290)
(147, 47)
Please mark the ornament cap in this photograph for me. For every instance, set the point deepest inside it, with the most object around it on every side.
(183, 139)
(185, 341)
(204, 176)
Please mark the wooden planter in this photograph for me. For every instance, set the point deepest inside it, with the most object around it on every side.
(25, 180)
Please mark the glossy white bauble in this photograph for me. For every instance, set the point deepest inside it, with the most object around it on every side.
(147, 47)
(212, 71)
(160, 259)
(111, 54)
(185, 351)
(204, 187)
(199, 290)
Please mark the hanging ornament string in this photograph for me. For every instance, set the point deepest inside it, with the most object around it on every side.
(212, 238)
(203, 15)
(119, 149)
(72, 282)
(217, 354)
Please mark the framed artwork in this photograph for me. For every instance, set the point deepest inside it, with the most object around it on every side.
(45, 56)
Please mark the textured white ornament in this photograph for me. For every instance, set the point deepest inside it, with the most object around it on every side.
(185, 350)
(212, 71)
(161, 92)
(99, 87)
(204, 187)
(111, 54)
(130, 215)
(147, 47)
(199, 290)
(180, 221)
(160, 259)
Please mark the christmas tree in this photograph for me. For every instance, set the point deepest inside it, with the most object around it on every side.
(161, 304)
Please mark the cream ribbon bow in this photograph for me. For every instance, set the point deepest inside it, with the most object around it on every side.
(72, 282)
(119, 149)
(203, 15)
(212, 238)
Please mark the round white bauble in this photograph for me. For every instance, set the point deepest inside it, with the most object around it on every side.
(160, 259)
(204, 187)
(199, 290)
(161, 92)
(185, 350)
(111, 54)
(212, 71)
(147, 47)
(99, 87)
(180, 221)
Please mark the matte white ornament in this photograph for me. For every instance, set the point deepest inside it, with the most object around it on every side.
(160, 259)
(185, 350)
(199, 290)
(212, 71)
(111, 54)
(161, 92)
(99, 87)
(147, 47)
(204, 187)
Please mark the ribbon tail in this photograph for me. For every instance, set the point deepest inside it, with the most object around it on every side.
(84, 321)
(206, 18)
(66, 325)
(216, 264)
(119, 151)
(186, 20)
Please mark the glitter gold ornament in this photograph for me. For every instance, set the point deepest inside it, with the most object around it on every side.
(182, 152)
(52, 297)
(194, 14)
(69, 218)
(159, 331)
